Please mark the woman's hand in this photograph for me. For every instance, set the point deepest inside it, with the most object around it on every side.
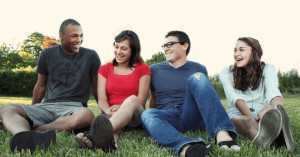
(114, 108)
(263, 111)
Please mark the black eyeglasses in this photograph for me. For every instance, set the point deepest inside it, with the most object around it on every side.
(169, 44)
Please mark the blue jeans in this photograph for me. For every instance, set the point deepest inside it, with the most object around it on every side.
(202, 109)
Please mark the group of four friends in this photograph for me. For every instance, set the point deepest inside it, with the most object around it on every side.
(181, 97)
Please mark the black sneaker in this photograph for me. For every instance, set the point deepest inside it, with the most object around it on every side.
(1, 126)
(102, 133)
(31, 139)
(286, 131)
(198, 150)
(279, 141)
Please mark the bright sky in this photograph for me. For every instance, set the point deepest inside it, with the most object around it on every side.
(213, 26)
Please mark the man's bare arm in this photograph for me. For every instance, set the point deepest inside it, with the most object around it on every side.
(39, 89)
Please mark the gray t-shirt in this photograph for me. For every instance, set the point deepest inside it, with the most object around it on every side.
(69, 76)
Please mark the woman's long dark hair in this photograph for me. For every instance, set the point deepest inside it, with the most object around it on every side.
(244, 79)
(135, 47)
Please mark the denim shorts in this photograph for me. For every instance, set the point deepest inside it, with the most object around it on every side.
(233, 114)
(45, 113)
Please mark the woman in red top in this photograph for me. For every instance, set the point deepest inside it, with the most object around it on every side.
(123, 87)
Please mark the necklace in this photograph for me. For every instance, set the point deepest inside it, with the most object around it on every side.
(251, 108)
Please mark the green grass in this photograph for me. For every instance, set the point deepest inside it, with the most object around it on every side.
(139, 143)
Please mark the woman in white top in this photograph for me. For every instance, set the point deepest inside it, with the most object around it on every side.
(251, 87)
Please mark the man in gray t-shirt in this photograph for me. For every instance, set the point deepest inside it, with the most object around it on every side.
(66, 75)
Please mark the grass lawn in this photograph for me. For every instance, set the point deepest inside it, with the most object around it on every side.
(139, 143)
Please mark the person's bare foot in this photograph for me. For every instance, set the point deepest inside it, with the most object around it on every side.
(225, 142)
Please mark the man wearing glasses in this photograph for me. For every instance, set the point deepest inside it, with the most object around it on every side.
(182, 99)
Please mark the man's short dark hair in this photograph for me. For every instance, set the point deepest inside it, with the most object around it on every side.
(182, 37)
(66, 23)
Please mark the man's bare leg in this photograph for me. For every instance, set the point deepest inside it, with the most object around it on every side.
(79, 119)
(14, 118)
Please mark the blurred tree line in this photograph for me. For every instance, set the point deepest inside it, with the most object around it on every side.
(18, 76)
(18, 64)
(289, 82)
(25, 54)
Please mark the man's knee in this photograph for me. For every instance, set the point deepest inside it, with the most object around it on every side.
(11, 109)
(85, 116)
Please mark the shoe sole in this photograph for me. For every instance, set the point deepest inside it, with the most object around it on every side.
(31, 139)
(102, 132)
(269, 128)
(286, 129)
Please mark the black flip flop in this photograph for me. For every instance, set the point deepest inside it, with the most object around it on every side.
(102, 133)
(199, 150)
(86, 134)
(286, 131)
(31, 139)
(230, 144)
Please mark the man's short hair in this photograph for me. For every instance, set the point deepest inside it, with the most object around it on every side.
(66, 23)
(182, 37)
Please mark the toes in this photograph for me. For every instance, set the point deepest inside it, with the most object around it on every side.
(224, 147)
(89, 144)
(235, 148)
(80, 135)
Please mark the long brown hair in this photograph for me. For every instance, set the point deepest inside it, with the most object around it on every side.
(244, 79)
(135, 47)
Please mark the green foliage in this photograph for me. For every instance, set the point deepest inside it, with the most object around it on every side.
(27, 55)
(28, 59)
(216, 83)
(4, 50)
(9, 58)
(27, 69)
(156, 58)
(18, 82)
(289, 82)
(33, 44)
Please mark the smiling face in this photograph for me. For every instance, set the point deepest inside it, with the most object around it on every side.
(71, 39)
(122, 51)
(242, 54)
(176, 51)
